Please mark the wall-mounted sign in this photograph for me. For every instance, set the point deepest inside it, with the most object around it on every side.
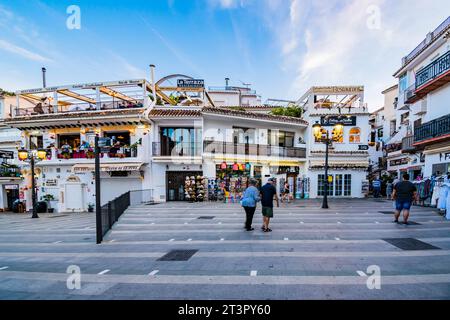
(51, 183)
(6, 154)
(190, 83)
(332, 120)
(398, 162)
(363, 147)
(338, 89)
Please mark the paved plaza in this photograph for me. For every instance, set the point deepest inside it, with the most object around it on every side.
(311, 254)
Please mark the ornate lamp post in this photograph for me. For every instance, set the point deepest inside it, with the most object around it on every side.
(32, 157)
(325, 138)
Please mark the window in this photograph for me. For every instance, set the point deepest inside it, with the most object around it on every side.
(323, 133)
(321, 186)
(355, 135)
(417, 123)
(393, 127)
(347, 185)
(338, 135)
(36, 142)
(180, 141)
(72, 140)
(119, 136)
(281, 138)
(338, 180)
(380, 133)
(404, 117)
(403, 83)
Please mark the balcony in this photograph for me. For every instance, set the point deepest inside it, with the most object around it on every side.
(67, 154)
(219, 147)
(69, 108)
(181, 149)
(393, 147)
(432, 132)
(407, 145)
(433, 76)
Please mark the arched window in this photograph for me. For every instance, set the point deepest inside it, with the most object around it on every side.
(355, 135)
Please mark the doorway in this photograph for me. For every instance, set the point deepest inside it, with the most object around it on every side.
(175, 181)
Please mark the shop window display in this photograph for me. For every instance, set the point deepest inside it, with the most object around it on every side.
(195, 188)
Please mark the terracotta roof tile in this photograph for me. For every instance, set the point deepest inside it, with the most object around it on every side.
(175, 113)
(253, 115)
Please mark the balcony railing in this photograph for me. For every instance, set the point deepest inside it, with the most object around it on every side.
(181, 149)
(49, 109)
(433, 70)
(218, 147)
(433, 129)
(67, 154)
(407, 144)
(393, 147)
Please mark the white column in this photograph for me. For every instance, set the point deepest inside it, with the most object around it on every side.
(55, 101)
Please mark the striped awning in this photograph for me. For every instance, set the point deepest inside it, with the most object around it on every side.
(107, 167)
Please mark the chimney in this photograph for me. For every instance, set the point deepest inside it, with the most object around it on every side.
(226, 82)
(152, 78)
(44, 84)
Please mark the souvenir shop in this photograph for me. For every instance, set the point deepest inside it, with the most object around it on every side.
(230, 182)
(434, 192)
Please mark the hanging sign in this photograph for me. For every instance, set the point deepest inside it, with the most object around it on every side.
(190, 83)
(6, 154)
(332, 120)
(363, 147)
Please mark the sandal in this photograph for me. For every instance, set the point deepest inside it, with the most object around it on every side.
(267, 230)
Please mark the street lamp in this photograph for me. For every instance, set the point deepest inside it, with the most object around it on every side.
(32, 157)
(325, 138)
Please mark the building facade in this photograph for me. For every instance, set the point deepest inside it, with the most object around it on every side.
(348, 156)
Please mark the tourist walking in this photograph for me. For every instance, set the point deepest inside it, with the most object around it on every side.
(389, 189)
(286, 193)
(405, 192)
(249, 201)
(268, 193)
(376, 184)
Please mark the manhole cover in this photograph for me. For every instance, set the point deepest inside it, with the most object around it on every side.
(410, 244)
(206, 218)
(178, 255)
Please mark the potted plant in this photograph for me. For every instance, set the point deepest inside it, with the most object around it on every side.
(90, 207)
(48, 198)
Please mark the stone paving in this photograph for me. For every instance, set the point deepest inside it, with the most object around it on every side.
(311, 254)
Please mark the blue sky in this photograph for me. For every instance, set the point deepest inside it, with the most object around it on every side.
(281, 47)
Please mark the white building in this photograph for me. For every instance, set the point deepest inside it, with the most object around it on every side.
(349, 157)
(423, 117)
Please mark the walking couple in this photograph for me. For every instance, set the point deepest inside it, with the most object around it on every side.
(252, 196)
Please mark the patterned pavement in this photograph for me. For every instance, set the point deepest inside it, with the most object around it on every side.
(311, 254)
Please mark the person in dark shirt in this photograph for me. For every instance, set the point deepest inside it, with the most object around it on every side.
(268, 193)
(405, 192)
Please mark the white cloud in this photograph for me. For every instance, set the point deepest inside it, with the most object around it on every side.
(12, 48)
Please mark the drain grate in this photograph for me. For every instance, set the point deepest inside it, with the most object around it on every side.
(410, 244)
(178, 255)
(206, 218)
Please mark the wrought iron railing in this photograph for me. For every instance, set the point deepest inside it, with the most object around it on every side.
(433, 70)
(177, 149)
(433, 129)
(219, 147)
(113, 210)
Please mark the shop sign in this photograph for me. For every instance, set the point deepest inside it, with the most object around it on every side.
(332, 120)
(364, 147)
(398, 162)
(51, 183)
(190, 83)
(6, 154)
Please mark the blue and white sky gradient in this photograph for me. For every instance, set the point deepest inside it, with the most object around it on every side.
(281, 47)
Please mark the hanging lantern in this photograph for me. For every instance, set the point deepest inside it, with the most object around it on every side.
(223, 166)
(248, 166)
(235, 167)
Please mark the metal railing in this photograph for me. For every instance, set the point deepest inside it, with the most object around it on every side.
(177, 149)
(113, 210)
(393, 147)
(407, 144)
(433, 70)
(433, 129)
(219, 147)
(120, 153)
(40, 109)
(436, 33)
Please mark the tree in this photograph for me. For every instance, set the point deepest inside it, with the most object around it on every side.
(291, 110)
(6, 93)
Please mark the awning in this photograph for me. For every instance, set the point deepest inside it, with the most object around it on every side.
(107, 167)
